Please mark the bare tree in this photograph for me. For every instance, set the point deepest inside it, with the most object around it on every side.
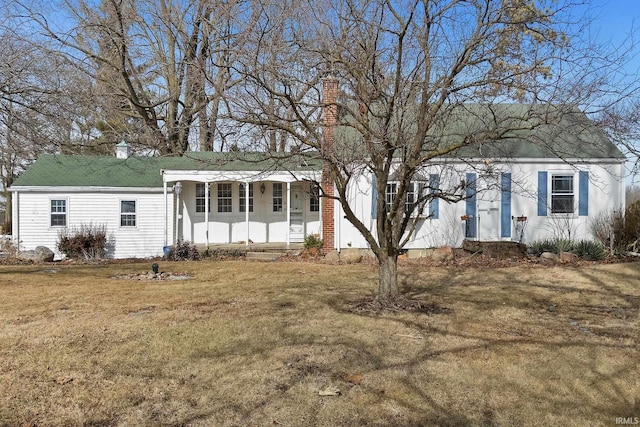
(158, 68)
(34, 107)
(397, 73)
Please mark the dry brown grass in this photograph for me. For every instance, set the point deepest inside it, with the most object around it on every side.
(253, 344)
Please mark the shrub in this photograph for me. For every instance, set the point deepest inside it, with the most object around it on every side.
(586, 249)
(589, 250)
(8, 247)
(312, 241)
(608, 229)
(538, 247)
(87, 241)
(618, 231)
(186, 251)
(632, 226)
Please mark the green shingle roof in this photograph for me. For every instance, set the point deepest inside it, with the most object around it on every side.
(107, 171)
(493, 131)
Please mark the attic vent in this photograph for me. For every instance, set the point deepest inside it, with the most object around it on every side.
(122, 150)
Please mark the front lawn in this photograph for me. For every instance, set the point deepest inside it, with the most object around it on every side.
(255, 344)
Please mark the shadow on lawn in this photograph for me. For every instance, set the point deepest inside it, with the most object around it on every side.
(544, 327)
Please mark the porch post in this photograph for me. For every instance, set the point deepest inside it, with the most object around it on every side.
(15, 218)
(246, 210)
(288, 213)
(166, 214)
(206, 213)
(177, 188)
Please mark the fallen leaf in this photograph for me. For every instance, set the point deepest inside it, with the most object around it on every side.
(62, 380)
(354, 378)
(329, 392)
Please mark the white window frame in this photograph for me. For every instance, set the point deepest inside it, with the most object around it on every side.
(277, 197)
(314, 197)
(562, 193)
(241, 197)
(413, 193)
(130, 215)
(390, 193)
(225, 201)
(200, 198)
(65, 213)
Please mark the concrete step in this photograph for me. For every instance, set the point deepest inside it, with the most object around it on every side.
(263, 256)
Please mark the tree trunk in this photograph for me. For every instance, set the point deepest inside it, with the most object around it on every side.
(388, 280)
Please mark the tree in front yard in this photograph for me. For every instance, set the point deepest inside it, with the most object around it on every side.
(397, 74)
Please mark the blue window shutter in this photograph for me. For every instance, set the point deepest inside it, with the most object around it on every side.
(542, 193)
(471, 205)
(374, 196)
(505, 205)
(583, 193)
(434, 204)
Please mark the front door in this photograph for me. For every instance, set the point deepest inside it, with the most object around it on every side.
(296, 212)
(488, 210)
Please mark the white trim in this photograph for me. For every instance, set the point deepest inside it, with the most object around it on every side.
(246, 209)
(207, 203)
(66, 213)
(166, 215)
(120, 213)
(15, 218)
(574, 193)
(288, 213)
(502, 160)
(239, 176)
(86, 189)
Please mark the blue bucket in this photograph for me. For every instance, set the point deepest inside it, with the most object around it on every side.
(166, 250)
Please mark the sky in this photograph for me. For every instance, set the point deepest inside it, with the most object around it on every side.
(614, 21)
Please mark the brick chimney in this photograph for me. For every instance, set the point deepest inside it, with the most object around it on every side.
(329, 113)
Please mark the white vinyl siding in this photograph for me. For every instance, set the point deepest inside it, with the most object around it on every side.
(146, 239)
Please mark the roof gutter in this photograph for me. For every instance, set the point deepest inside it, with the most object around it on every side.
(82, 189)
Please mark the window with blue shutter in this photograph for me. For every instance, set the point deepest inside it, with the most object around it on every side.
(542, 193)
(583, 193)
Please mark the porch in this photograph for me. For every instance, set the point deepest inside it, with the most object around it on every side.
(254, 247)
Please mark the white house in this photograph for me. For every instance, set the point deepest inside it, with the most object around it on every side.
(147, 203)
(537, 184)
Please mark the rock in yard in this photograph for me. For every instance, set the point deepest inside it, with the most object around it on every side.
(332, 257)
(568, 257)
(39, 254)
(549, 257)
(444, 253)
(351, 256)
